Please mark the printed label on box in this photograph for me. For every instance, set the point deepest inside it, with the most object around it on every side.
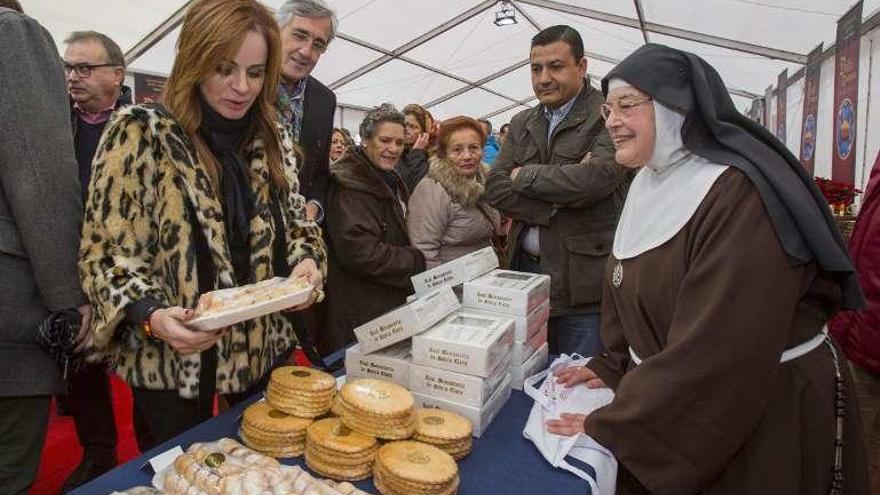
(459, 387)
(509, 292)
(457, 271)
(390, 364)
(480, 417)
(465, 342)
(407, 320)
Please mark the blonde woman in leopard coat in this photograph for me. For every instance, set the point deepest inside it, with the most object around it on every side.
(448, 216)
(197, 195)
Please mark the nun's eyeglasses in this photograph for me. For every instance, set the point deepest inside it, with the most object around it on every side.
(622, 107)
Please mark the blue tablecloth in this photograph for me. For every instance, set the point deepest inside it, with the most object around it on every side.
(502, 460)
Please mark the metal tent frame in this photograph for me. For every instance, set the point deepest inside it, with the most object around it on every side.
(640, 22)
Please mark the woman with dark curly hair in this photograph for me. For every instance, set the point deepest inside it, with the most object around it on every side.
(371, 256)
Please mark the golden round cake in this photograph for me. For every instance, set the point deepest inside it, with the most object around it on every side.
(273, 432)
(301, 391)
(416, 463)
(301, 378)
(265, 418)
(377, 398)
(335, 451)
(384, 427)
(442, 425)
(388, 485)
(332, 434)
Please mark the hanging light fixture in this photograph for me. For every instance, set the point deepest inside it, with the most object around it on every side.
(506, 14)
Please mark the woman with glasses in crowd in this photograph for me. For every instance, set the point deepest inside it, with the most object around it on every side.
(198, 195)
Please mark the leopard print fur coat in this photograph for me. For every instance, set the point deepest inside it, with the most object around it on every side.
(137, 243)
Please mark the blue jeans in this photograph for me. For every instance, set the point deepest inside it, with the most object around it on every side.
(578, 333)
(575, 334)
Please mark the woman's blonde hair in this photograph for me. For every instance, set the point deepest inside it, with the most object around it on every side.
(213, 31)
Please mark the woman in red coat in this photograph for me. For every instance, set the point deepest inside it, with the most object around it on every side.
(858, 332)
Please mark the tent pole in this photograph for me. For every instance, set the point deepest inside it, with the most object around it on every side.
(157, 34)
(865, 161)
(685, 34)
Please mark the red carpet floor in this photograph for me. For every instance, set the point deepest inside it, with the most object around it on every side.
(62, 452)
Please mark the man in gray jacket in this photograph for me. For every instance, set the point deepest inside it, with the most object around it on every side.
(40, 215)
(556, 176)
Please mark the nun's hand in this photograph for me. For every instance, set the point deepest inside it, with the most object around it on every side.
(567, 425)
(514, 173)
(586, 159)
(574, 375)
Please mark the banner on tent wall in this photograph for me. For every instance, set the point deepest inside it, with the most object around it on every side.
(811, 108)
(768, 94)
(148, 88)
(781, 89)
(846, 95)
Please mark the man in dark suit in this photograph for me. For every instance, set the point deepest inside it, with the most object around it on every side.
(95, 70)
(306, 105)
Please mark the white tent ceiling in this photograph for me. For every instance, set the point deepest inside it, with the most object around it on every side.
(450, 56)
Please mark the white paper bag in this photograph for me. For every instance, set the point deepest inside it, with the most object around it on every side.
(553, 399)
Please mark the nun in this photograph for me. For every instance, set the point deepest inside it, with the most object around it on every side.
(726, 266)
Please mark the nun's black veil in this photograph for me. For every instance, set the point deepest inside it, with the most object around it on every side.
(715, 130)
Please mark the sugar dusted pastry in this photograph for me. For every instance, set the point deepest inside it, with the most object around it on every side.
(224, 300)
(249, 456)
(198, 473)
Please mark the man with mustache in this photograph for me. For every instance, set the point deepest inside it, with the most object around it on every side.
(556, 176)
(95, 70)
(307, 106)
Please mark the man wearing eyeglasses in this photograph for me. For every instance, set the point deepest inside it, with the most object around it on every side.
(306, 105)
(556, 176)
(95, 70)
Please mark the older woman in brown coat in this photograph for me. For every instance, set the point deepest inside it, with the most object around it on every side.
(371, 257)
(449, 216)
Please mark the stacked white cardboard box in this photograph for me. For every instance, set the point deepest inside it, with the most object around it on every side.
(525, 297)
(461, 365)
(463, 360)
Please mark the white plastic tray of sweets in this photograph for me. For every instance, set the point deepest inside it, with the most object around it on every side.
(223, 319)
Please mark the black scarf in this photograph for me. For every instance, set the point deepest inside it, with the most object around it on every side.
(225, 138)
(717, 131)
(390, 178)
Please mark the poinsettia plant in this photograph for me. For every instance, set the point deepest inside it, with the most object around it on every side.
(837, 193)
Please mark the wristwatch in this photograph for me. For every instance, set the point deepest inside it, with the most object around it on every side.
(145, 323)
